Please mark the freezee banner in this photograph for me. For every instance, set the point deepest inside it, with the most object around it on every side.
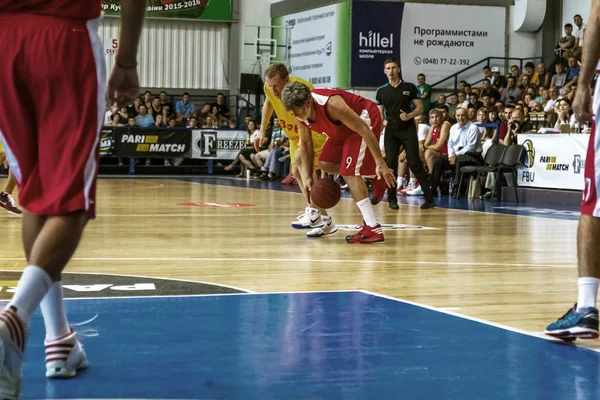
(217, 144)
(375, 37)
(219, 10)
(553, 161)
(152, 143)
(319, 44)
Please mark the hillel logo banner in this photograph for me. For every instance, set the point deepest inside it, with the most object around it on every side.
(375, 37)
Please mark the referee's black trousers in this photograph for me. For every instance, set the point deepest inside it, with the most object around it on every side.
(397, 138)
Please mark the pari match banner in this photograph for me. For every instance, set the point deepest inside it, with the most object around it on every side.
(553, 161)
(216, 10)
(152, 143)
(427, 38)
(320, 44)
(218, 144)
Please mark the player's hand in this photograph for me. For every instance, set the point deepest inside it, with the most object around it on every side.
(404, 116)
(123, 86)
(582, 105)
(384, 172)
(452, 160)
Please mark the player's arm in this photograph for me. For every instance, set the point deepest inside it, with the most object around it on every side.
(337, 109)
(429, 137)
(382, 116)
(307, 155)
(266, 113)
(418, 103)
(582, 104)
(123, 85)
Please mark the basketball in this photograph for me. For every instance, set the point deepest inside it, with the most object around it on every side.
(325, 193)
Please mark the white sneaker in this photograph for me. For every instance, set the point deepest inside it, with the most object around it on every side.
(64, 357)
(415, 192)
(327, 229)
(12, 342)
(410, 187)
(310, 219)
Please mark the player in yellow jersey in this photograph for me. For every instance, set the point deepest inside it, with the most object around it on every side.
(276, 77)
(6, 200)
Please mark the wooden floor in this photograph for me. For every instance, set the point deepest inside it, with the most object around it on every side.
(515, 271)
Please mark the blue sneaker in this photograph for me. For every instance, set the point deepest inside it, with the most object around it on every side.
(574, 325)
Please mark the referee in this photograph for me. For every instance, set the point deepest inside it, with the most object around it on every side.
(394, 100)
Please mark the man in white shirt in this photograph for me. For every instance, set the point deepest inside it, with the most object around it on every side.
(464, 148)
(554, 97)
(578, 32)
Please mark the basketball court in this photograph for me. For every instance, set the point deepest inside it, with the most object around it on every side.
(198, 288)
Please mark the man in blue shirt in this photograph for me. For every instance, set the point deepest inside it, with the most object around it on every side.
(184, 108)
(144, 119)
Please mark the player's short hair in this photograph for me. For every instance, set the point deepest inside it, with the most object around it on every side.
(295, 95)
(390, 61)
(277, 69)
(434, 111)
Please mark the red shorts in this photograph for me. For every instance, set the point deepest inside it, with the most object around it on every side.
(351, 152)
(53, 78)
(589, 205)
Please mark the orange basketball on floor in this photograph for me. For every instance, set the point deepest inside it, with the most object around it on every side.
(325, 193)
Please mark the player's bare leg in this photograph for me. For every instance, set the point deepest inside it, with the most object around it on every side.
(371, 231)
(6, 199)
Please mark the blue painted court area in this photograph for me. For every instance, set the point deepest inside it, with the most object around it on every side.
(343, 345)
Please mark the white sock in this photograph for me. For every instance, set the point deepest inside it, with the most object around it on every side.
(367, 212)
(400, 181)
(32, 287)
(413, 181)
(53, 311)
(588, 290)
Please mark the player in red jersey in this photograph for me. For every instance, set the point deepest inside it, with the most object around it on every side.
(353, 125)
(52, 61)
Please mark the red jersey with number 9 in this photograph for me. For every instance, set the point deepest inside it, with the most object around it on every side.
(73, 9)
(335, 129)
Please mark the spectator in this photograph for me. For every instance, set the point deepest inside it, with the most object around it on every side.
(486, 101)
(565, 46)
(184, 108)
(131, 122)
(559, 80)
(134, 109)
(441, 100)
(446, 116)
(530, 69)
(463, 102)
(247, 119)
(572, 75)
(578, 33)
(452, 103)
(244, 156)
(158, 121)
(517, 124)
(512, 93)
(483, 118)
(424, 93)
(472, 113)
(541, 77)
(467, 89)
(204, 112)
(464, 148)
(515, 72)
(208, 122)
(217, 118)
(505, 116)
(144, 120)
(553, 92)
(278, 137)
(115, 120)
(172, 123)
(436, 143)
(487, 73)
(497, 80)
(490, 91)
(474, 101)
(165, 104)
(193, 123)
(222, 108)
(158, 109)
(123, 115)
(232, 124)
(147, 101)
(109, 113)
(565, 115)
(524, 82)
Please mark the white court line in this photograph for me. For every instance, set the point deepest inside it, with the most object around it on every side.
(311, 260)
(474, 319)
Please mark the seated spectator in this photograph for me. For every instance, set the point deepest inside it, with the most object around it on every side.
(560, 78)
(208, 123)
(490, 91)
(134, 109)
(474, 101)
(553, 94)
(498, 81)
(535, 106)
(566, 45)
(578, 33)
(217, 118)
(524, 82)
(487, 72)
(446, 116)
(441, 100)
(572, 75)
(515, 72)
(493, 116)
(463, 102)
(475, 91)
(232, 124)
(472, 113)
(464, 148)
(541, 77)
(486, 101)
(499, 106)
(124, 115)
(565, 115)
(244, 155)
(203, 112)
(530, 69)
(184, 108)
(158, 121)
(452, 103)
(158, 109)
(193, 123)
(512, 93)
(277, 139)
(467, 89)
(172, 123)
(108, 115)
(166, 105)
(115, 120)
(517, 124)
(436, 143)
(482, 118)
(144, 119)
(247, 118)
(147, 100)
(222, 108)
(131, 122)
(505, 116)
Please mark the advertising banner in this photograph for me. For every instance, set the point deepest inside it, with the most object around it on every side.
(439, 40)
(218, 144)
(107, 141)
(152, 143)
(216, 10)
(553, 161)
(375, 37)
(320, 48)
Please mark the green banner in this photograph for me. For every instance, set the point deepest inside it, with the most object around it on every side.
(217, 10)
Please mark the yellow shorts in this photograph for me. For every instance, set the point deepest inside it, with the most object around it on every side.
(318, 143)
(1, 147)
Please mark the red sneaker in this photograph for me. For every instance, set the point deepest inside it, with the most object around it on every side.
(367, 235)
(378, 186)
(8, 203)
